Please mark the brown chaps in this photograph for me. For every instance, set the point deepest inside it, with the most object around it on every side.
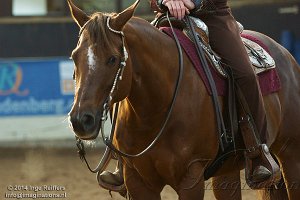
(225, 40)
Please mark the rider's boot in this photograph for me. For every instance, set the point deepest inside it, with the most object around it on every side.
(112, 178)
(115, 179)
(261, 170)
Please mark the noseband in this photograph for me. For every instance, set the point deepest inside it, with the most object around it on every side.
(107, 140)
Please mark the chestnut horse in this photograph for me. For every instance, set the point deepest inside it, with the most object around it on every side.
(189, 142)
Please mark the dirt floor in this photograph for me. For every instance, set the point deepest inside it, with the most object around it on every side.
(60, 172)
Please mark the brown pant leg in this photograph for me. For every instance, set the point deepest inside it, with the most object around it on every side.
(225, 40)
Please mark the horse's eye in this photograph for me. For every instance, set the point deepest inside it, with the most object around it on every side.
(112, 60)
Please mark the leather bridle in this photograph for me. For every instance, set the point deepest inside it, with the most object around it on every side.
(108, 140)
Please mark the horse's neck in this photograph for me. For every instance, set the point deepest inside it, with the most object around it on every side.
(154, 64)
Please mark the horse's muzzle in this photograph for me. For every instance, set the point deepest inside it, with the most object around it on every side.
(85, 125)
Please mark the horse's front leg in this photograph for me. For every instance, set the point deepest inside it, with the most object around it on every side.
(192, 184)
(227, 186)
(137, 189)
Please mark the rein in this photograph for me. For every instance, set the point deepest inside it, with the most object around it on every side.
(217, 107)
(108, 140)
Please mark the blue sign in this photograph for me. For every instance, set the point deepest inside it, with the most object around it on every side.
(297, 50)
(36, 87)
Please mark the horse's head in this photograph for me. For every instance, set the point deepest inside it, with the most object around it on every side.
(99, 60)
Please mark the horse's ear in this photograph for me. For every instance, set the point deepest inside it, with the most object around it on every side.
(78, 15)
(122, 18)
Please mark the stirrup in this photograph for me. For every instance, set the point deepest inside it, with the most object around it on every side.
(120, 189)
(114, 178)
(263, 155)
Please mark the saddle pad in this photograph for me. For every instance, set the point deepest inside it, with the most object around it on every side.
(269, 80)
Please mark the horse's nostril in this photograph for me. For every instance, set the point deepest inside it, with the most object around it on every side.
(88, 121)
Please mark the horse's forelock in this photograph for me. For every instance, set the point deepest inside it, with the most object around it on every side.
(98, 31)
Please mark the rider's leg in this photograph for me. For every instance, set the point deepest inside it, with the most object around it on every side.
(225, 40)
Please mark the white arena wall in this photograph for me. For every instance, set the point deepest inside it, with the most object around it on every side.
(39, 131)
(35, 131)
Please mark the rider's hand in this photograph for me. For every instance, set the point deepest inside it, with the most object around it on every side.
(179, 8)
(189, 4)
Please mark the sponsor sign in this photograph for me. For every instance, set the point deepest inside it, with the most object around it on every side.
(36, 87)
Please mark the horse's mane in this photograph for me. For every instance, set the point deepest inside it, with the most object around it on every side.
(99, 34)
(97, 30)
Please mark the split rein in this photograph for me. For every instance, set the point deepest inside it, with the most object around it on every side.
(108, 140)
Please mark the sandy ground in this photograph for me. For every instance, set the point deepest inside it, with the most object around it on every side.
(60, 171)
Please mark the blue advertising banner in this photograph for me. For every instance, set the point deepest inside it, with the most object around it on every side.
(36, 87)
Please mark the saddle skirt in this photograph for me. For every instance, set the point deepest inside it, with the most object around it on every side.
(259, 57)
(261, 60)
(258, 53)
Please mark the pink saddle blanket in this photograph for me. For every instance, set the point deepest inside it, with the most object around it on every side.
(269, 80)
